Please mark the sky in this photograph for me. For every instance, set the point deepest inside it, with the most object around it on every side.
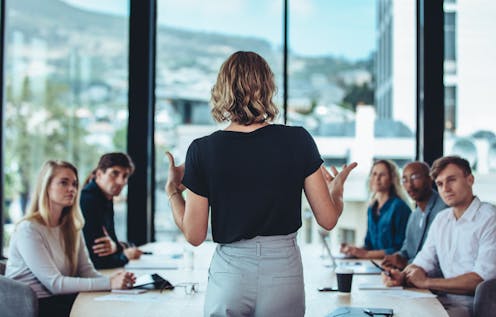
(344, 28)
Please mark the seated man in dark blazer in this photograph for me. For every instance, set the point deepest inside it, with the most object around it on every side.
(106, 182)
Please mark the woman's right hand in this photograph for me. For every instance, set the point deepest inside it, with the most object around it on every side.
(175, 177)
(122, 280)
(351, 250)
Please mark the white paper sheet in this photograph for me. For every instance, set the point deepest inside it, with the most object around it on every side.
(147, 297)
(376, 286)
(153, 262)
(406, 294)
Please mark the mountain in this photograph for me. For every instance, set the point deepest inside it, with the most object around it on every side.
(187, 61)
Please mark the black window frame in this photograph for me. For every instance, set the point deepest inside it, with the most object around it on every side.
(142, 33)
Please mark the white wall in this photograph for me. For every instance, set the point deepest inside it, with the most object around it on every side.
(476, 64)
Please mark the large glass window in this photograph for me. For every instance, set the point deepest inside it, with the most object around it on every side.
(66, 89)
(193, 39)
(352, 81)
(470, 130)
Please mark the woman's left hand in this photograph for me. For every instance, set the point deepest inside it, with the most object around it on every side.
(335, 182)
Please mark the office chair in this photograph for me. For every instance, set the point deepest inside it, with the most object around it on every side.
(3, 265)
(485, 299)
(17, 299)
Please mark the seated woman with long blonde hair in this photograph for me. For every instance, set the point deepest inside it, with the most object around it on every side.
(47, 250)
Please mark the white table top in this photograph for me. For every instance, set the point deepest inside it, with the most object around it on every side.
(178, 303)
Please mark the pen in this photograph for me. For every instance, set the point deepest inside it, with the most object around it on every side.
(147, 252)
(368, 312)
(381, 268)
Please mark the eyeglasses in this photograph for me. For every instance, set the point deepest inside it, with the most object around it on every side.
(190, 288)
(412, 178)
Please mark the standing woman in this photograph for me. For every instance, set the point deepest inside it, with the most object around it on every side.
(251, 175)
(47, 250)
(387, 214)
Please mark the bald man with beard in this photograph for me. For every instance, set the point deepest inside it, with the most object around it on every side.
(418, 184)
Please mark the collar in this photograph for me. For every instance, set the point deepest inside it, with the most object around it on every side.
(93, 187)
(470, 213)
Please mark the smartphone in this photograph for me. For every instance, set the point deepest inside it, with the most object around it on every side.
(328, 289)
(378, 311)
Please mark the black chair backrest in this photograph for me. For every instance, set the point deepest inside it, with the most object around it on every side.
(3, 265)
(485, 299)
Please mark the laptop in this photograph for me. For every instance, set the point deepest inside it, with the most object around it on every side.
(358, 267)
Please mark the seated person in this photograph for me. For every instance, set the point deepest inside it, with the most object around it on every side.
(387, 214)
(418, 184)
(106, 182)
(461, 242)
(47, 250)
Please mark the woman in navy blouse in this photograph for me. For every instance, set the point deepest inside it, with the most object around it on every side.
(387, 214)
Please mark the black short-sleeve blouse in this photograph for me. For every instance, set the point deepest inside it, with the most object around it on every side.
(253, 181)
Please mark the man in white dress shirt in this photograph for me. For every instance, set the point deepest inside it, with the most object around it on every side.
(461, 242)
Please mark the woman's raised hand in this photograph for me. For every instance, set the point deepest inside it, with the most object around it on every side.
(175, 177)
(335, 182)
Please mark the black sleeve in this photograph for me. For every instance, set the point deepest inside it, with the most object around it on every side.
(93, 216)
(194, 177)
(313, 159)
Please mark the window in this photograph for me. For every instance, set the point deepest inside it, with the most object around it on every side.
(193, 39)
(65, 94)
(470, 129)
(450, 42)
(352, 86)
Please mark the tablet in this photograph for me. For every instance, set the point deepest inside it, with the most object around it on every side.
(152, 281)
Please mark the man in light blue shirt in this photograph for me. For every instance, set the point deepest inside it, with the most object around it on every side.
(418, 184)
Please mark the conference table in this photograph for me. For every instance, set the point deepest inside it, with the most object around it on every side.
(184, 268)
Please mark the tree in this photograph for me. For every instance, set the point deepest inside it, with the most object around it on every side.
(37, 131)
(356, 94)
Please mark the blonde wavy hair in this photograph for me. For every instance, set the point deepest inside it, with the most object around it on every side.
(244, 90)
(71, 221)
(395, 189)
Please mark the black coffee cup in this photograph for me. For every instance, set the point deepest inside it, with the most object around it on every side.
(344, 278)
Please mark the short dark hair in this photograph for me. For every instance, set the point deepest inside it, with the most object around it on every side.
(109, 160)
(440, 164)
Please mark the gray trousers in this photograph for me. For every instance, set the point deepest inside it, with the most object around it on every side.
(457, 305)
(262, 276)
